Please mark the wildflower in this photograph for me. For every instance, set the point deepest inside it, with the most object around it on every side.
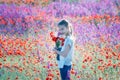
(0, 65)
(1, 53)
(114, 65)
(83, 66)
(15, 65)
(49, 78)
(20, 69)
(72, 71)
(114, 54)
(100, 78)
(16, 78)
(36, 78)
(78, 77)
(59, 43)
(7, 65)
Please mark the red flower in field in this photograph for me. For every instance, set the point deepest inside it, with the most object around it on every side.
(85, 60)
(118, 64)
(0, 65)
(117, 46)
(114, 65)
(119, 56)
(100, 78)
(49, 78)
(1, 53)
(3, 21)
(114, 54)
(107, 56)
(109, 63)
(7, 65)
(34, 69)
(11, 21)
(36, 78)
(50, 75)
(51, 34)
(78, 77)
(51, 64)
(16, 78)
(4, 59)
(101, 68)
(20, 69)
(83, 66)
(100, 60)
(46, 0)
(19, 52)
(50, 56)
(15, 65)
(56, 39)
(89, 58)
(10, 52)
(44, 66)
(58, 73)
(72, 71)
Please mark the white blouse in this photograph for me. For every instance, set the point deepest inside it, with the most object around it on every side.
(68, 59)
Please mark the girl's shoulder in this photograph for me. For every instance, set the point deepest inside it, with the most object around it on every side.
(69, 40)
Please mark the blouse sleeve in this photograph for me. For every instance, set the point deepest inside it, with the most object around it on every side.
(70, 42)
(67, 42)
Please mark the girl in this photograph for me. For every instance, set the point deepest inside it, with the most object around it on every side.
(66, 53)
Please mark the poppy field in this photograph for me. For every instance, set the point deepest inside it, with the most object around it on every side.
(26, 45)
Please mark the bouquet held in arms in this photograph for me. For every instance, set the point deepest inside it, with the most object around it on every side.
(59, 42)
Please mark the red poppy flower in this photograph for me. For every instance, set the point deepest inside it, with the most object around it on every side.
(55, 39)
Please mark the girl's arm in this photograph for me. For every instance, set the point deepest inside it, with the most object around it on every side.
(64, 52)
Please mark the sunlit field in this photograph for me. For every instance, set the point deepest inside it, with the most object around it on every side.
(26, 46)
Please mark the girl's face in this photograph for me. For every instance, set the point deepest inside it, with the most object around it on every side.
(63, 30)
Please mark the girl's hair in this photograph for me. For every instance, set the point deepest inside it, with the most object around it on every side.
(68, 25)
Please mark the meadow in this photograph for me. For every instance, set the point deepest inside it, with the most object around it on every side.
(26, 46)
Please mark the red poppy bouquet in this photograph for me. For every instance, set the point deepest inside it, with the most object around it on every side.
(59, 42)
